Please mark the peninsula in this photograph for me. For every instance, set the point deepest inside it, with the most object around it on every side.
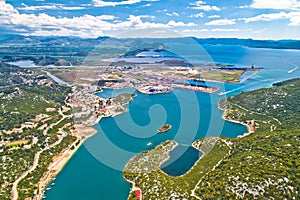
(233, 168)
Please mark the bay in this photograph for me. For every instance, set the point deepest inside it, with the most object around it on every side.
(95, 171)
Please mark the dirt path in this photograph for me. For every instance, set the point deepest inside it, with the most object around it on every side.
(15, 194)
(213, 169)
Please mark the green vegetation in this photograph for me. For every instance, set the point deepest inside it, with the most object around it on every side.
(123, 98)
(7, 78)
(266, 163)
(273, 109)
(13, 164)
(24, 95)
(28, 186)
(262, 165)
(17, 143)
(155, 184)
(220, 75)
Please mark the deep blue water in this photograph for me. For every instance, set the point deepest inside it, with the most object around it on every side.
(182, 158)
(95, 171)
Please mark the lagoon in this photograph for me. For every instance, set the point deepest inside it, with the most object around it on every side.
(182, 158)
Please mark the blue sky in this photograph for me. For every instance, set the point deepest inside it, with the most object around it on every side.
(257, 19)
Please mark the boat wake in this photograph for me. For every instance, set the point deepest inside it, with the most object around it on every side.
(292, 70)
(230, 91)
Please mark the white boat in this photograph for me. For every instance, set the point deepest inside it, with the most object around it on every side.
(149, 144)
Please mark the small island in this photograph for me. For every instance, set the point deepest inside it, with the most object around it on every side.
(218, 173)
(164, 128)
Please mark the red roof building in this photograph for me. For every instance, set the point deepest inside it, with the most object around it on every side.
(137, 194)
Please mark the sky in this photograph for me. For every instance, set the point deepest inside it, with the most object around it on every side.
(256, 19)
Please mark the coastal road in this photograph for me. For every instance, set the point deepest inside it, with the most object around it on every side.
(35, 161)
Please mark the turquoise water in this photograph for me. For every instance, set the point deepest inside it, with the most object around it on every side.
(97, 166)
(90, 179)
(95, 171)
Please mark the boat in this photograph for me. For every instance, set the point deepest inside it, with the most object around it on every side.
(164, 128)
(52, 183)
(149, 144)
(48, 188)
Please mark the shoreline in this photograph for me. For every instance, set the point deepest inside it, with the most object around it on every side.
(194, 146)
(55, 167)
(61, 160)
(133, 187)
(64, 157)
(236, 122)
(133, 184)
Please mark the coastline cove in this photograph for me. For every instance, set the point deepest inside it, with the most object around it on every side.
(98, 165)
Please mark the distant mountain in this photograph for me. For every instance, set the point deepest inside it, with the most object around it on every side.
(63, 50)
(274, 44)
(141, 42)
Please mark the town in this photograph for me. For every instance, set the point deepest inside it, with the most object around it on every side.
(43, 123)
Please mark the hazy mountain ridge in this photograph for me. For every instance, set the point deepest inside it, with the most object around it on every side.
(143, 42)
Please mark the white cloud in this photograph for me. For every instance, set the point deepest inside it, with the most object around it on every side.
(197, 15)
(201, 5)
(194, 30)
(162, 11)
(266, 17)
(221, 22)
(225, 30)
(173, 14)
(276, 4)
(84, 26)
(293, 17)
(72, 8)
(257, 31)
(146, 5)
(50, 7)
(214, 16)
(101, 3)
(172, 23)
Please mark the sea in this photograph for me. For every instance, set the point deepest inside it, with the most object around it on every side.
(95, 170)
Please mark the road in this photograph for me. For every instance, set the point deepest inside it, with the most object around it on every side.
(36, 159)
